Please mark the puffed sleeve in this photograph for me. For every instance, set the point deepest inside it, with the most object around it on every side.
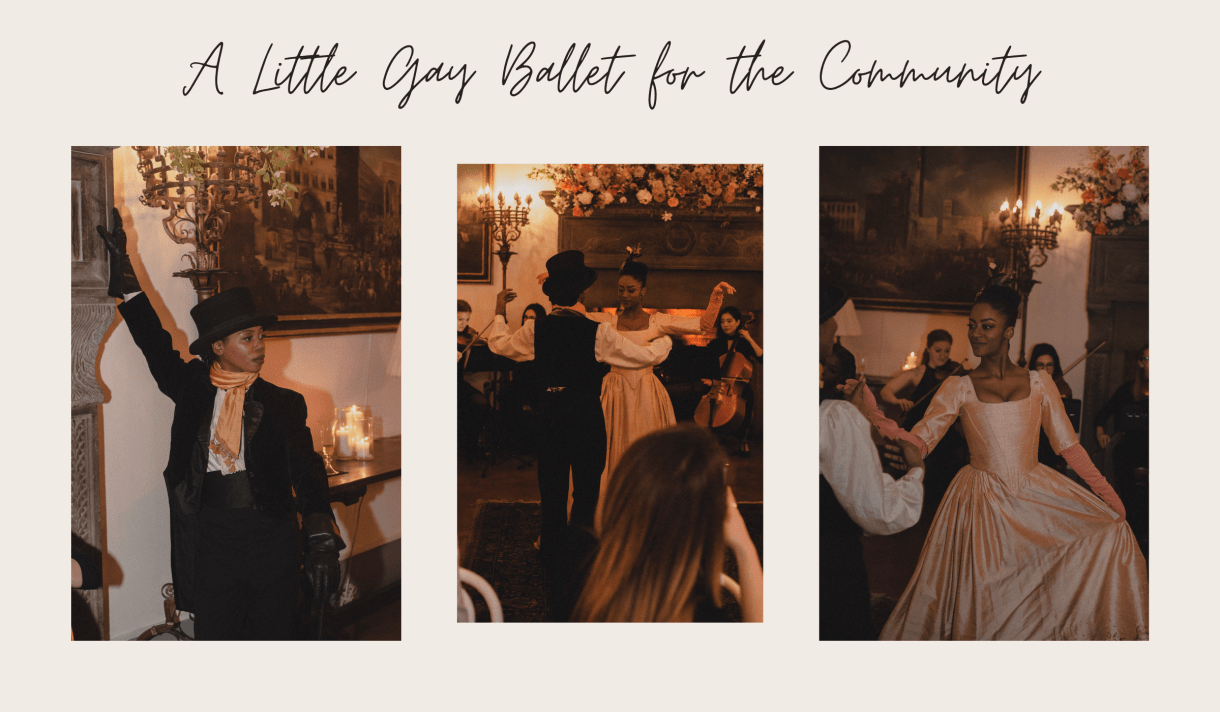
(1054, 417)
(519, 345)
(849, 462)
(941, 413)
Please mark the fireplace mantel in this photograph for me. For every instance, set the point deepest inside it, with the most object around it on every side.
(688, 254)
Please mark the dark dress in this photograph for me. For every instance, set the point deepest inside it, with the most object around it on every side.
(1130, 454)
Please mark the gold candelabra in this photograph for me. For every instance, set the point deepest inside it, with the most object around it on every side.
(505, 222)
(199, 202)
(1028, 241)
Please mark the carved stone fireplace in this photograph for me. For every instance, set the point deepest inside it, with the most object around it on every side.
(92, 314)
(1118, 315)
(686, 257)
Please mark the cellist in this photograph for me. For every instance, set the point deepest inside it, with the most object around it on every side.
(732, 337)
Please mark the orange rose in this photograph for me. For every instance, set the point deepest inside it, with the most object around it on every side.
(1123, 173)
(673, 202)
(576, 212)
(1099, 166)
(1100, 229)
(1087, 196)
(1106, 201)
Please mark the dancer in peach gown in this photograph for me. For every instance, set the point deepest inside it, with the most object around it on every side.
(1017, 551)
(633, 400)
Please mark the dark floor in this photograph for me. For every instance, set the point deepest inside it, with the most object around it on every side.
(513, 481)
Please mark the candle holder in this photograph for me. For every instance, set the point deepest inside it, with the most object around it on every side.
(327, 436)
(505, 222)
(352, 430)
(1028, 240)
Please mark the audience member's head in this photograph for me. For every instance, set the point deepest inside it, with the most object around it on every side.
(661, 533)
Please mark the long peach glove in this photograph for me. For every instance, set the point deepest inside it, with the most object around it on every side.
(1083, 466)
(707, 320)
(887, 427)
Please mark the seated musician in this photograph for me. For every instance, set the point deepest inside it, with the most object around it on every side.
(732, 337)
(472, 407)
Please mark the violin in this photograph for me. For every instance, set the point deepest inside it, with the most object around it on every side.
(724, 406)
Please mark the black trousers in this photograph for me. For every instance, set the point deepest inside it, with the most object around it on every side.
(573, 432)
(248, 570)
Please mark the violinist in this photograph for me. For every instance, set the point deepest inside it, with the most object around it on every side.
(951, 454)
(472, 408)
(732, 337)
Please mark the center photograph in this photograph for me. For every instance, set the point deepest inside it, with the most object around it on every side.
(610, 392)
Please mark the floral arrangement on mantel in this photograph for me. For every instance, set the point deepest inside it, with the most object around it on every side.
(190, 162)
(581, 189)
(1113, 190)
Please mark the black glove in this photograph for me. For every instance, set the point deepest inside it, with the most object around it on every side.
(122, 276)
(322, 547)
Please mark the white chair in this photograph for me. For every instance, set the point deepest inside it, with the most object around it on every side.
(730, 585)
(466, 604)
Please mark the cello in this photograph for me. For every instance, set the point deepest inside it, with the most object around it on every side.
(724, 406)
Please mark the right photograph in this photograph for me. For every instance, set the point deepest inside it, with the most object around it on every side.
(983, 411)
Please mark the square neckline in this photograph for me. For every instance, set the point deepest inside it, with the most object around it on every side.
(979, 400)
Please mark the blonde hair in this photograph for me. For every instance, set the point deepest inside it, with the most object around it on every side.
(661, 536)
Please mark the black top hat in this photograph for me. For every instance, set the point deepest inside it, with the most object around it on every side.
(567, 276)
(830, 301)
(226, 313)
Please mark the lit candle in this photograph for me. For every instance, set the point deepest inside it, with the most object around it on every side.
(910, 362)
(362, 449)
(1004, 214)
(343, 444)
(1017, 213)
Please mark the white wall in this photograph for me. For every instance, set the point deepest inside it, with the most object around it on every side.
(1057, 313)
(539, 240)
(135, 417)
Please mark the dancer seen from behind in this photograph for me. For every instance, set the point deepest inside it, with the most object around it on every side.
(855, 497)
(568, 350)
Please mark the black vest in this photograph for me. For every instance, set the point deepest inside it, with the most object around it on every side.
(565, 353)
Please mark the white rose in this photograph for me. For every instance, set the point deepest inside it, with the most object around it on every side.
(1143, 211)
(1130, 193)
(1115, 211)
(585, 198)
(605, 198)
(594, 183)
(644, 197)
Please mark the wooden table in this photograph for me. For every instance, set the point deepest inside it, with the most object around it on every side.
(359, 474)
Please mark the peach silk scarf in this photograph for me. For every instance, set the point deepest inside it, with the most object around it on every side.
(226, 441)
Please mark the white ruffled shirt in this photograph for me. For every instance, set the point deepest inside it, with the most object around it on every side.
(849, 462)
(610, 346)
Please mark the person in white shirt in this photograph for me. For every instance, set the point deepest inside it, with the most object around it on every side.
(568, 350)
(856, 497)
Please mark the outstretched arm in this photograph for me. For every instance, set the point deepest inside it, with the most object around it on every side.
(848, 461)
(1059, 432)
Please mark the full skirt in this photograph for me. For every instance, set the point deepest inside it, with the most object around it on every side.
(1044, 561)
(631, 413)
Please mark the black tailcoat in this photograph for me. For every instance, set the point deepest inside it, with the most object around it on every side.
(278, 451)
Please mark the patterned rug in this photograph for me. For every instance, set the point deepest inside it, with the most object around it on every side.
(502, 551)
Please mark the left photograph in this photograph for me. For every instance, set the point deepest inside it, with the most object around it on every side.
(236, 392)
